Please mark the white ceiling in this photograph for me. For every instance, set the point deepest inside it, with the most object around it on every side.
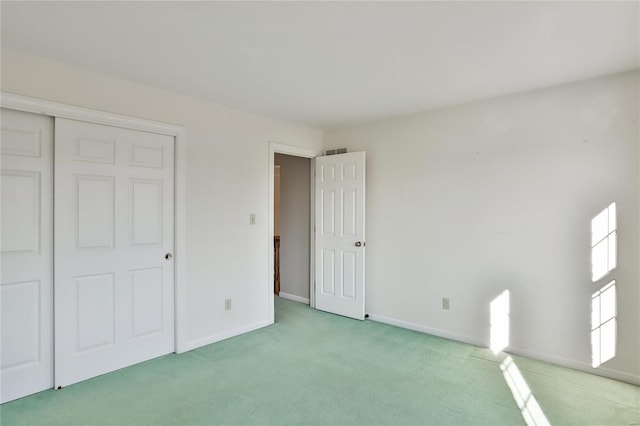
(330, 64)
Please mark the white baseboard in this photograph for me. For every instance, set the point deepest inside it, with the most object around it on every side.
(427, 330)
(564, 362)
(293, 297)
(576, 365)
(225, 335)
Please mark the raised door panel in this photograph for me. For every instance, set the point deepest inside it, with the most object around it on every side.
(327, 173)
(20, 303)
(328, 271)
(21, 141)
(350, 171)
(95, 312)
(147, 301)
(348, 212)
(95, 204)
(349, 272)
(20, 212)
(94, 150)
(146, 155)
(146, 214)
(327, 212)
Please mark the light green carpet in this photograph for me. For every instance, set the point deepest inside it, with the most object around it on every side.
(316, 368)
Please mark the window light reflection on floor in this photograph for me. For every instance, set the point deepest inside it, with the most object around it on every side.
(529, 408)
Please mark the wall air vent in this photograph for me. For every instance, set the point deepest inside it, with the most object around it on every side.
(336, 151)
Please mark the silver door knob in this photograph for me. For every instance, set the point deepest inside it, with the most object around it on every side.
(168, 256)
(358, 244)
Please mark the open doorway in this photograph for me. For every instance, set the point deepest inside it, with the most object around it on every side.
(292, 209)
(305, 154)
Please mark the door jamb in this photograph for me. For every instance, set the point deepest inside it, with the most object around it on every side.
(295, 151)
(56, 109)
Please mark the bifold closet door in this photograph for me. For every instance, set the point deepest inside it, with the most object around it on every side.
(114, 207)
(26, 290)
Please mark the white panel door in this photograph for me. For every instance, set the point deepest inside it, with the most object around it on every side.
(26, 299)
(340, 186)
(114, 242)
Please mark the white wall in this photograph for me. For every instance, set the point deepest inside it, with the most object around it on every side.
(227, 175)
(294, 225)
(462, 203)
(471, 200)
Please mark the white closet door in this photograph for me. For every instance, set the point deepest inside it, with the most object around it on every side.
(114, 192)
(27, 254)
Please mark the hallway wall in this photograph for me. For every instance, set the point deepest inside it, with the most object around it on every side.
(294, 225)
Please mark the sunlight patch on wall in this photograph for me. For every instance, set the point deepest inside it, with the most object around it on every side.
(603, 302)
(603, 324)
(603, 243)
(529, 408)
(499, 330)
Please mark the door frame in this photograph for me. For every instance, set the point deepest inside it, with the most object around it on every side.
(296, 151)
(56, 109)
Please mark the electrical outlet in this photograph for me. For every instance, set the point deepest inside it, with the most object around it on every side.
(227, 304)
(445, 303)
(252, 219)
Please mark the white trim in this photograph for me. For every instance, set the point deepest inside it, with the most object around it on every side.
(180, 241)
(564, 362)
(576, 365)
(298, 152)
(225, 335)
(55, 109)
(312, 235)
(427, 330)
(293, 297)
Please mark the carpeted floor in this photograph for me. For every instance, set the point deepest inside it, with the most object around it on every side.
(316, 368)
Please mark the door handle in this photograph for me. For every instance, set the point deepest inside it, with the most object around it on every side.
(358, 244)
(168, 256)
